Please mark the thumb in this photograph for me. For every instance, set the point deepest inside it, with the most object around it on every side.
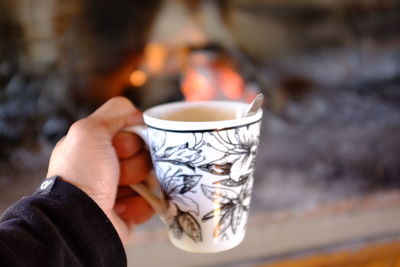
(115, 114)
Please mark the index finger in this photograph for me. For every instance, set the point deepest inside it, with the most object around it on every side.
(115, 114)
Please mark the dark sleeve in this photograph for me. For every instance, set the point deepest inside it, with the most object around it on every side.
(58, 226)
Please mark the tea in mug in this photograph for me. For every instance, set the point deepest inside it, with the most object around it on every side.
(200, 114)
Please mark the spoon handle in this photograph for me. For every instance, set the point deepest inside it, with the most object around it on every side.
(255, 105)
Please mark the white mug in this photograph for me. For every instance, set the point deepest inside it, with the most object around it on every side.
(203, 155)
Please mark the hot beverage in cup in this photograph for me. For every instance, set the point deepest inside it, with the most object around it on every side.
(190, 114)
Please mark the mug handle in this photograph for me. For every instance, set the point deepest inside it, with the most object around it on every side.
(141, 188)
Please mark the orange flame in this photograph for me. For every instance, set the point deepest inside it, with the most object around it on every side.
(197, 87)
(216, 82)
(138, 78)
(155, 56)
(231, 83)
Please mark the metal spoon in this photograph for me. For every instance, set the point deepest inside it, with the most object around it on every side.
(255, 105)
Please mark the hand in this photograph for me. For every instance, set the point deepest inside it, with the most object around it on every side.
(101, 160)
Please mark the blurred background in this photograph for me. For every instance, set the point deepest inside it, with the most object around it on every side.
(327, 181)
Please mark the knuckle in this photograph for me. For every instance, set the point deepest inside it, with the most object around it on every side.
(80, 127)
(121, 101)
(59, 142)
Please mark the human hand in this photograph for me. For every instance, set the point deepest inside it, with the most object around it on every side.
(102, 161)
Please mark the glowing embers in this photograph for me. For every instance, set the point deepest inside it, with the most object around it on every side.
(138, 78)
(210, 75)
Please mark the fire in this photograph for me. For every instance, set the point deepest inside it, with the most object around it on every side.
(207, 73)
(155, 57)
(231, 83)
(138, 78)
(197, 87)
(212, 81)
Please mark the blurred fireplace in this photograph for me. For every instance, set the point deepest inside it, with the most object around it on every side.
(95, 45)
(204, 73)
(330, 71)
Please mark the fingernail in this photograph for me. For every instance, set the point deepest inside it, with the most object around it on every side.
(120, 208)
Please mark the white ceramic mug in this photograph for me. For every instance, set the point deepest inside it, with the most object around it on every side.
(203, 155)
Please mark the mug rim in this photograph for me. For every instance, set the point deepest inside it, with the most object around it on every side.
(152, 121)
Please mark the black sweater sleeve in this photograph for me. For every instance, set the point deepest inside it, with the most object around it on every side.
(58, 226)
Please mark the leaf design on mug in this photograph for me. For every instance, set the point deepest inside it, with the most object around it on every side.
(231, 209)
(181, 154)
(190, 226)
(189, 181)
(212, 214)
(225, 220)
(216, 168)
(180, 207)
(174, 187)
(185, 203)
(232, 183)
(237, 215)
(176, 229)
(218, 194)
(239, 147)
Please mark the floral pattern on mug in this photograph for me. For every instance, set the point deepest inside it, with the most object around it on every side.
(205, 166)
(231, 207)
(238, 148)
(180, 154)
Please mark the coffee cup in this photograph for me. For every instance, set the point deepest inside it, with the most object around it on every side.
(203, 155)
